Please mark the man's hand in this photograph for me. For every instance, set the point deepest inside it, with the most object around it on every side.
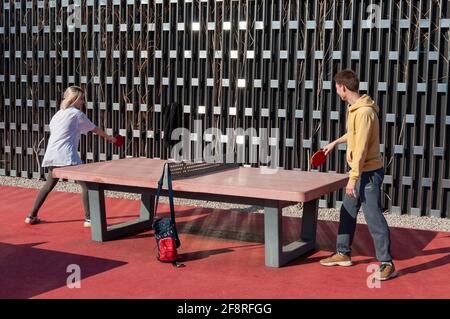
(351, 188)
(329, 148)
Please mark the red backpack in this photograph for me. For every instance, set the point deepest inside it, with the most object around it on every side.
(167, 250)
(166, 234)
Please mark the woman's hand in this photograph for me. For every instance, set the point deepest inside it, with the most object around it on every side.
(111, 139)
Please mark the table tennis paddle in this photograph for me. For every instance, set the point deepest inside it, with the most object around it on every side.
(119, 140)
(318, 158)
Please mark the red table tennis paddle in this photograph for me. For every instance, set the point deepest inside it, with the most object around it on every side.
(318, 158)
(119, 140)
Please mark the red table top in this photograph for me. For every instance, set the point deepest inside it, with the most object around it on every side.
(285, 185)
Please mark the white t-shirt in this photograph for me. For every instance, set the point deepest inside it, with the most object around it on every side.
(66, 127)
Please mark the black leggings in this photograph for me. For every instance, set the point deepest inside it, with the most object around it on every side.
(48, 187)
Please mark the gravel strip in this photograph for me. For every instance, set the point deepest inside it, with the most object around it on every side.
(330, 214)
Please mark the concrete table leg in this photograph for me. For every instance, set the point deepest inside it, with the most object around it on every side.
(147, 207)
(277, 255)
(273, 236)
(101, 231)
(98, 214)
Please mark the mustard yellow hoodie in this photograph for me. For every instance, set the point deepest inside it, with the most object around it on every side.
(363, 137)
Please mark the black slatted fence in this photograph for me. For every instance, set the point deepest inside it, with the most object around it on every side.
(234, 64)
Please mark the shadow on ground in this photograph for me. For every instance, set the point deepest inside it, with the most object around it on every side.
(27, 271)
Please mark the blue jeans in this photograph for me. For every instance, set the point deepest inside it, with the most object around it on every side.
(368, 194)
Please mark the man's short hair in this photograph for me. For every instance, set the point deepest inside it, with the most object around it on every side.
(347, 78)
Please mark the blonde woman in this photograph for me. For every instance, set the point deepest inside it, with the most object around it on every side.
(66, 127)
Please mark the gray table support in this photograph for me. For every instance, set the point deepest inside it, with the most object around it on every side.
(101, 231)
(277, 255)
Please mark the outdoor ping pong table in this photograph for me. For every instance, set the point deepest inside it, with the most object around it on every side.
(240, 185)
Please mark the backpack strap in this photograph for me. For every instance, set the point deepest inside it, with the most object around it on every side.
(169, 186)
(167, 175)
(166, 171)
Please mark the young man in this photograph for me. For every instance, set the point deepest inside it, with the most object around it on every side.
(365, 180)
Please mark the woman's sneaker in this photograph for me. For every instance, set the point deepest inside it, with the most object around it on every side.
(32, 220)
(87, 222)
(337, 259)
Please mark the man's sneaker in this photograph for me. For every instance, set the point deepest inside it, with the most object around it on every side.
(386, 271)
(337, 259)
(87, 223)
(32, 220)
